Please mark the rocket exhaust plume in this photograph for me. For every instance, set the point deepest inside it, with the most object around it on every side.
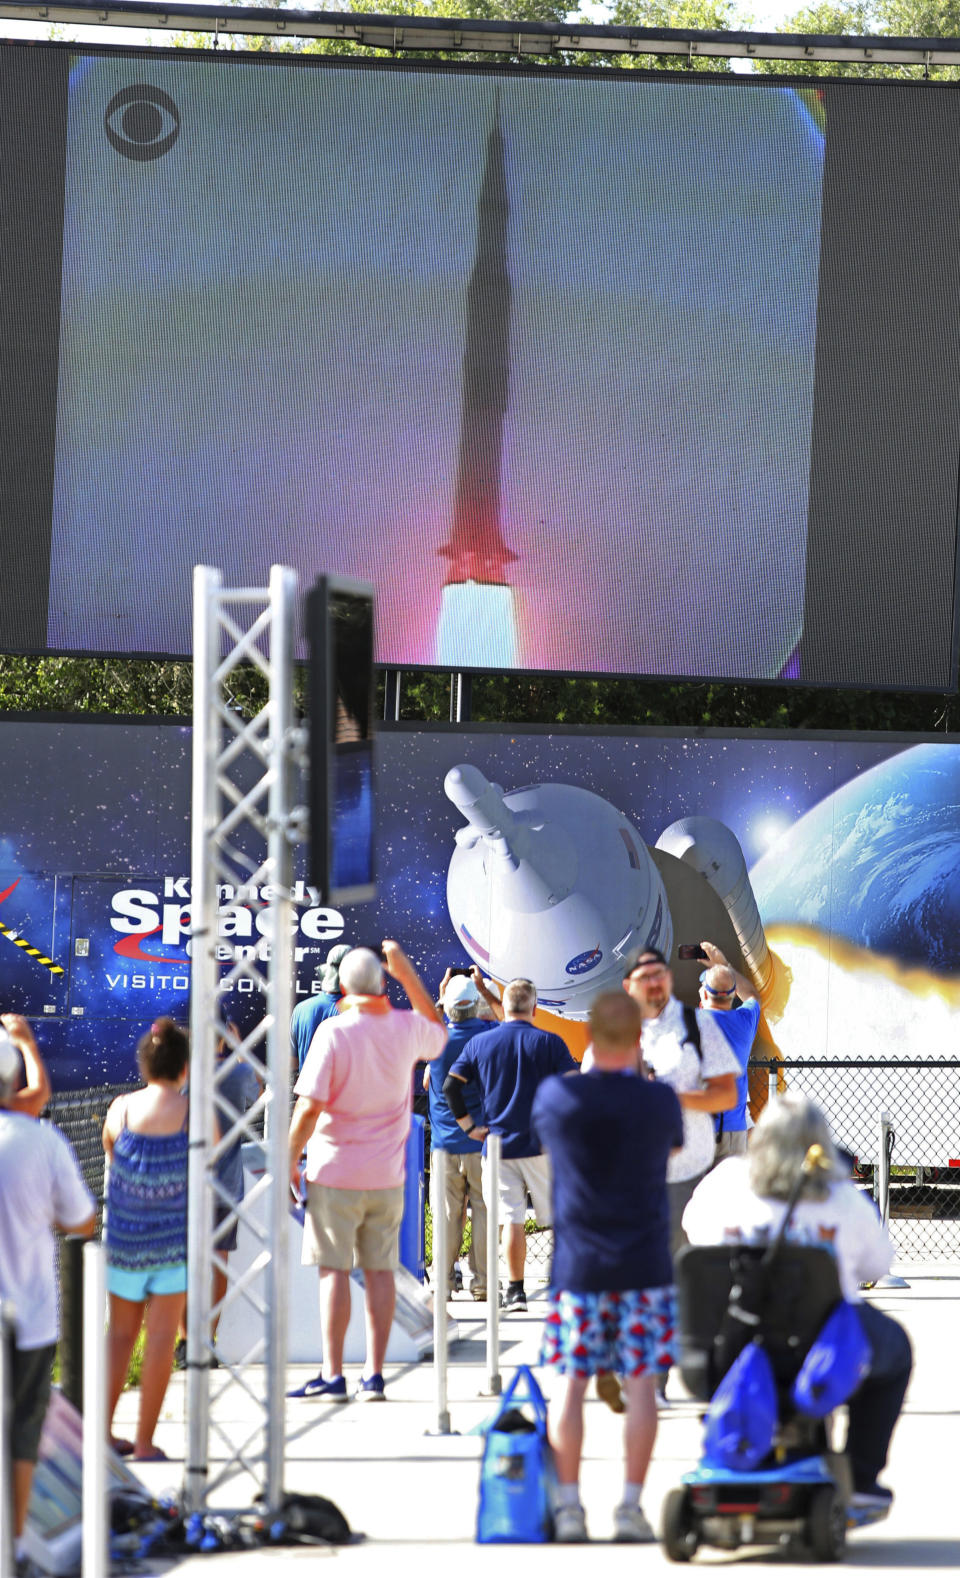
(477, 622)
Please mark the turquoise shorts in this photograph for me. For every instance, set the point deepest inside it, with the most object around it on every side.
(139, 1285)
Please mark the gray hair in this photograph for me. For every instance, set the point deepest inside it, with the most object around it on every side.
(520, 997)
(362, 972)
(785, 1131)
(720, 978)
(463, 1011)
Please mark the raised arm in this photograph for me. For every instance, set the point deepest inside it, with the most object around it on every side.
(490, 998)
(35, 1093)
(745, 987)
(398, 965)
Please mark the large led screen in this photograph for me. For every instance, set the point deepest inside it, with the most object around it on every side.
(591, 372)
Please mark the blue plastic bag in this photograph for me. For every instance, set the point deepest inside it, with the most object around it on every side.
(742, 1417)
(517, 1475)
(837, 1362)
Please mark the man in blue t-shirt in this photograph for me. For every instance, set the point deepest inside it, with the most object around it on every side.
(508, 1064)
(720, 987)
(462, 998)
(609, 1135)
(319, 1006)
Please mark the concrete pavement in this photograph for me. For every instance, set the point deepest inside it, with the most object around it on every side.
(413, 1493)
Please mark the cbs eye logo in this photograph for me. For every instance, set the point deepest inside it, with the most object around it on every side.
(142, 122)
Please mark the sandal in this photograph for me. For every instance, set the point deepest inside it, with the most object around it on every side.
(120, 1446)
(155, 1455)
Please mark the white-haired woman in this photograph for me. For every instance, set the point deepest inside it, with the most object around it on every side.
(744, 1200)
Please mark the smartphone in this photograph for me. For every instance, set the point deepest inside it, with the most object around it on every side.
(460, 969)
(690, 950)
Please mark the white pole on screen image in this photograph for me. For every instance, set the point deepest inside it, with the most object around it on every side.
(491, 1181)
(886, 1135)
(477, 627)
(95, 1503)
(441, 1259)
(7, 1329)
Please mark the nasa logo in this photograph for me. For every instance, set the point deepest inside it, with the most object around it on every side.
(584, 962)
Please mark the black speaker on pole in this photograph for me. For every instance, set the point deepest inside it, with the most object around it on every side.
(339, 626)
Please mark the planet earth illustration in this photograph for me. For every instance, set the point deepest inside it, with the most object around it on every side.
(877, 862)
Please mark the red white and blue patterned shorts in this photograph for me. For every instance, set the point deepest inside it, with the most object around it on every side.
(632, 1333)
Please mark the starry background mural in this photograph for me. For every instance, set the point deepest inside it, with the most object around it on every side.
(854, 838)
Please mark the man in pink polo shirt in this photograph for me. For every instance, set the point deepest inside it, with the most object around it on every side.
(353, 1115)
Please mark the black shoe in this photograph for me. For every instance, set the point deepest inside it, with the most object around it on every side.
(515, 1300)
(180, 1354)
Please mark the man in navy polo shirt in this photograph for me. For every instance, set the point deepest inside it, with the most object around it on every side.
(609, 1135)
(509, 1063)
(720, 987)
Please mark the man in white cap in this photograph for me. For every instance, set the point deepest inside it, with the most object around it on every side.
(41, 1191)
(462, 997)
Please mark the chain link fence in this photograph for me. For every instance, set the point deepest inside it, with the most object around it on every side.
(921, 1098)
(79, 1115)
(922, 1101)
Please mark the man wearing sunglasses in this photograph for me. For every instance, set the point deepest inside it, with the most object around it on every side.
(731, 998)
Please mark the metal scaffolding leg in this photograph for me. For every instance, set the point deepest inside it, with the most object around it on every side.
(244, 825)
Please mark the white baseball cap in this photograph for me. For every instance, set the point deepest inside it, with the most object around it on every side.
(461, 992)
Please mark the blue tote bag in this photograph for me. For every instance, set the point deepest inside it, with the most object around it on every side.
(517, 1475)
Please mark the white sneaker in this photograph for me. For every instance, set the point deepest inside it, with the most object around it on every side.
(630, 1527)
(570, 1525)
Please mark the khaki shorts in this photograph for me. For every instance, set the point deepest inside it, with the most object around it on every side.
(341, 1225)
(518, 1175)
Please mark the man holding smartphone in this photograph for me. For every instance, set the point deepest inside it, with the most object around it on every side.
(728, 995)
(353, 1116)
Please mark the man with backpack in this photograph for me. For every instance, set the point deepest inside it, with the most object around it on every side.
(685, 1048)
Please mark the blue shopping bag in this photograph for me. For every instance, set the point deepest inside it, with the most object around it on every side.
(742, 1417)
(517, 1475)
(838, 1360)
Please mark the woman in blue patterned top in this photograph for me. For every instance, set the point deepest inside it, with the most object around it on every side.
(145, 1138)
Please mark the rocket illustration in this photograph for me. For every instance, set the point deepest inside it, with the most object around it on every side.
(712, 850)
(553, 882)
(477, 625)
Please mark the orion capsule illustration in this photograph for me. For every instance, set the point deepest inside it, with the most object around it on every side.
(554, 883)
(551, 882)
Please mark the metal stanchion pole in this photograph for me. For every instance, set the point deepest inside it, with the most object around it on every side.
(492, 1183)
(883, 1168)
(7, 1329)
(885, 1138)
(441, 1258)
(773, 1074)
(94, 1555)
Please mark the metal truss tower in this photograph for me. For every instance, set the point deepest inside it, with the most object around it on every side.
(244, 825)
